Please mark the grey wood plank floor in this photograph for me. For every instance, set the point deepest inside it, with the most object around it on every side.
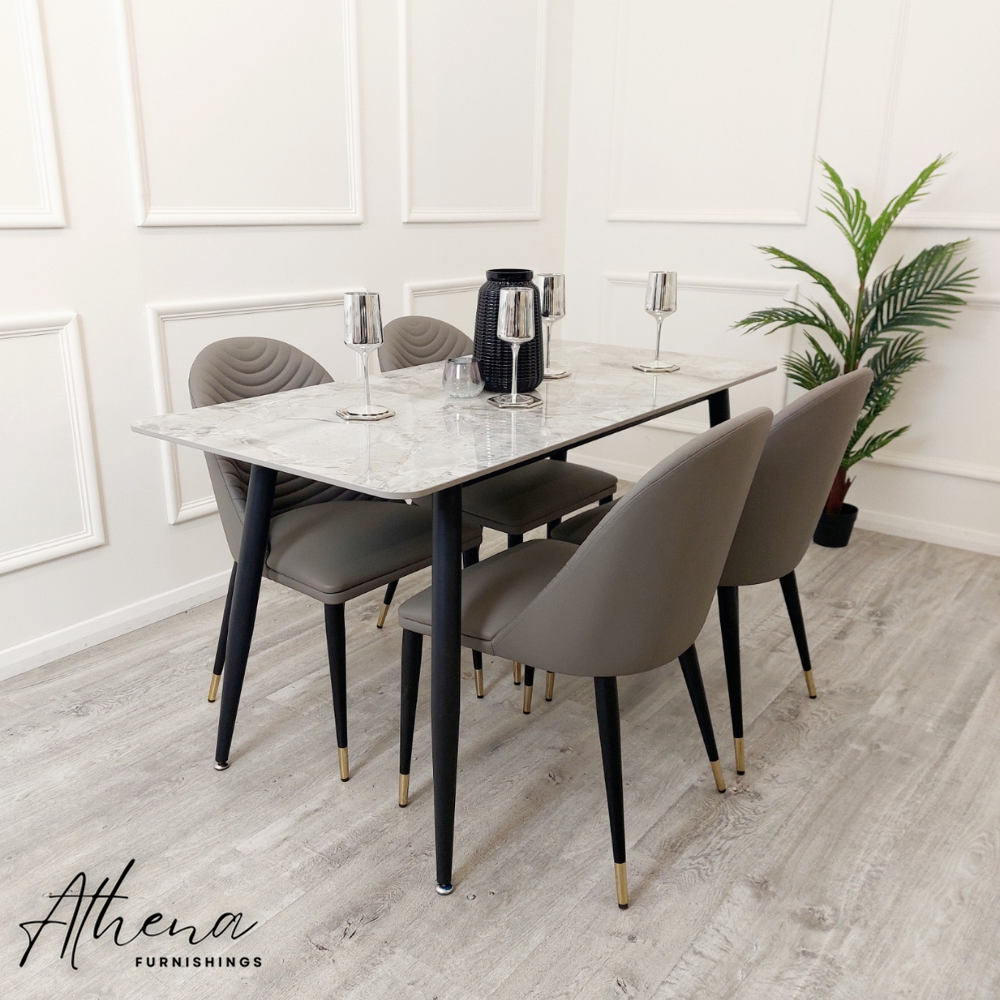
(857, 858)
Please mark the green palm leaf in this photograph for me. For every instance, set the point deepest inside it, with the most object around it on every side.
(790, 263)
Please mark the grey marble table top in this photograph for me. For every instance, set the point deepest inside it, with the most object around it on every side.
(435, 441)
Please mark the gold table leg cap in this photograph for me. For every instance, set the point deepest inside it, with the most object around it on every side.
(479, 683)
(741, 761)
(517, 672)
(345, 769)
(550, 685)
(213, 687)
(382, 616)
(720, 782)
(810, 683)
(527, 699)
(621, 885)
(404, 790)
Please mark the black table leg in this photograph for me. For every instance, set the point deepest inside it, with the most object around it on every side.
(446, 651)
(249, 567)
(718, 407)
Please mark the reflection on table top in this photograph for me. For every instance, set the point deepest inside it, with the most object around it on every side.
(435, 441)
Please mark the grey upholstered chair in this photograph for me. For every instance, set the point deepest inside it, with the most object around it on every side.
(514, 502)
(327, 542)
(803, 452)
(631, 598)
(797, 467)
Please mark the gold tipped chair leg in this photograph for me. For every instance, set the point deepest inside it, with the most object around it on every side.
(810, 683)
(213, 687)
(404, 790)
(478, 671)
(550, 685)
(741, 761)
(621, 885)
(526, 708)
(345, 768)
(517, 672)
(383, 612)
(720, 782)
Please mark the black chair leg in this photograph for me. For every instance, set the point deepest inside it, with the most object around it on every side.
(529, 684)
(791, 591)
(551, 526)
(220, 649)
(550, 685)
(470, 557)
(390, 592)
(336, 647)
(513, 540)
(729, 620)
(605, 500)
(409, 686)
(477, 669)
(609, 726)
(696, 689)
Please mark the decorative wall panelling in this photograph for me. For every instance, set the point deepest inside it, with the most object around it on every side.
(30, 192)
(52, 504)
(472, 109)
(688, 144)
(944, 110)
(178, 331)
(241, 114)
(451, 299)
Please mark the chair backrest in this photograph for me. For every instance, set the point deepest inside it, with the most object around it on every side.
(801, 458)
(637, 591)
(241, 368)
(419, 340)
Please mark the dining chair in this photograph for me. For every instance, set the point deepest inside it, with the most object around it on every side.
(631, 598)
(803, 451)
(330, 543)
(513, 502)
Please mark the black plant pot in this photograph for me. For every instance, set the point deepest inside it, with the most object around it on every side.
(494, 356)
(834, 530)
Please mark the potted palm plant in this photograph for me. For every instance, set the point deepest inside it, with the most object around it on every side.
(883, 329)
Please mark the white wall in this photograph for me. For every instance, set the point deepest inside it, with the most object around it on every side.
(175, 172)
(693, 137)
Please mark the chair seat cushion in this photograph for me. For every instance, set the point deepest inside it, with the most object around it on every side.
(576, 529)
(495, 591)
(517, 501)
(338, 550)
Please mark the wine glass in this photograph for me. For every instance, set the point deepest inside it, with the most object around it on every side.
(363, 333)
(661, 301)
(516, 326)
(553, 289)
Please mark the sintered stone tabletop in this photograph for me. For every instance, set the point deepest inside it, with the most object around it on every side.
(434, 441)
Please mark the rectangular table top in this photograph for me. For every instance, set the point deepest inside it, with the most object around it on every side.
(435, 441)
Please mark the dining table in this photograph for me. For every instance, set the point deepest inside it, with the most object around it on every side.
(432, 447)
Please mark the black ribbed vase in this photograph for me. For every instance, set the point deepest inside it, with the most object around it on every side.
(495, 356)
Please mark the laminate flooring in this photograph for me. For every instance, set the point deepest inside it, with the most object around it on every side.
(857, 858)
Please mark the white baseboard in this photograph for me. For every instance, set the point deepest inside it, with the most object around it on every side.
(46, 648)
(972, 539)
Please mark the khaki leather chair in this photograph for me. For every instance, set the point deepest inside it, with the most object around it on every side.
(803, 451)
(514, 502)
(631, 598)
(327, 542)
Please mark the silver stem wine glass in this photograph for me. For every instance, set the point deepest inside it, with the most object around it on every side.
(363, 333)
(516, 326)
(661, 301)
(553, 289)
